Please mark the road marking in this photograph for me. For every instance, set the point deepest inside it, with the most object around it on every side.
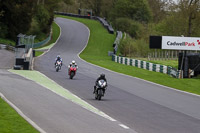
(51, 85)
(124, 126)
(134, 77)
(22, 114)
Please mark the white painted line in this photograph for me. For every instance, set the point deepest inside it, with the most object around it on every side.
(136, 77)
(21, 114)
(100, 112)
(124, 126)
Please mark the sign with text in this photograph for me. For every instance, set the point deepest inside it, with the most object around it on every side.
(180, 43)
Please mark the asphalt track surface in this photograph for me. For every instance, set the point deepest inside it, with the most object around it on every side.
(44, 108)
(140, 105)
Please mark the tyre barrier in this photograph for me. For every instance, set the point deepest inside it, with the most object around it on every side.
(147, 65)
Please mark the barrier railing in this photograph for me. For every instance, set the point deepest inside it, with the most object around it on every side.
(147, 65)
(101, 20)
(42, 43)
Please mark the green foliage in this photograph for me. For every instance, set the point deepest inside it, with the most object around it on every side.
(27, 17)
(126, 47)
(42, 17)
(130, 26)
(133, 48)
(135, 10)
(93, 54)
(4, 30)
(6, 41)
(173, 25)
(17, 16)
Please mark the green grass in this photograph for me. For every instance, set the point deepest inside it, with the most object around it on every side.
(172, 63)
(38, 53)
(97, 53)
(55, 35)
(12, 122)
(7, 42)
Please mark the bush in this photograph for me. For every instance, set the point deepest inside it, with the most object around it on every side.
(3, 29)
(134, 48)
(134, 28)
(43, 18)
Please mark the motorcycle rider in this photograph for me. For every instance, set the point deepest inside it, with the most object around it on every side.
(71, 64)
(101, 77)
(58, 58)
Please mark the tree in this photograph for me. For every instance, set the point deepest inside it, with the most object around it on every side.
(17, 16)
(137, 10)
(191, 8)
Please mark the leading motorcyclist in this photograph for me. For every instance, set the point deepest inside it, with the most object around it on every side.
(101, 77)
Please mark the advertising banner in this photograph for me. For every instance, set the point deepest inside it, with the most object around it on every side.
(180, 43)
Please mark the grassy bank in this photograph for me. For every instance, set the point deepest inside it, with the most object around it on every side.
(55, 35)
(101, 42)
(6, 41)
(12, 122)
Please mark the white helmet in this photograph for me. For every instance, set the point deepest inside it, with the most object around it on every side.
(73, 62)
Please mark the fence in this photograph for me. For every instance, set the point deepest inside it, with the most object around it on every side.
(165, 54)
(39, 44)
(147, 65)
(103, 21)
(117, 41)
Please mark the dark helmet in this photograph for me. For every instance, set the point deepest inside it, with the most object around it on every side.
(102, 75)
(58, 57)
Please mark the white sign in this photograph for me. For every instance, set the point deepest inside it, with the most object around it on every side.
(180, 43)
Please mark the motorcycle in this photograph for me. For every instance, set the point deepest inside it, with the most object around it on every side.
(72, 71)
(100, 89)
(58, 65)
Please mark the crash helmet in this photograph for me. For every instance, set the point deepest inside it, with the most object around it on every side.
(73, 62)
(58, 56)
(102, 75)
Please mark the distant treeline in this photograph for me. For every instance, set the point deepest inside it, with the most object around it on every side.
(138, 18)
(141, 18)
(26, 17)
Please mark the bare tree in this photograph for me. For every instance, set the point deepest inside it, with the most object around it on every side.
(191, 8)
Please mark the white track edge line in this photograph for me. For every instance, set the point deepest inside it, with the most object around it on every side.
(124, 126)
(136, 77)
(22, 114)
(102, 113)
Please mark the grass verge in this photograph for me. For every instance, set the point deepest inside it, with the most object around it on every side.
(172, 63)
(12, 122)
(100, 43)
(6, 41)
(55, 35)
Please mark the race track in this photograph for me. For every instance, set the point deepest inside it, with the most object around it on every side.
(140, 105)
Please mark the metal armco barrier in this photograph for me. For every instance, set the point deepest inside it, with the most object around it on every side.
(117, 41)
(39, 44)
(147, 65)
(101, 20)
